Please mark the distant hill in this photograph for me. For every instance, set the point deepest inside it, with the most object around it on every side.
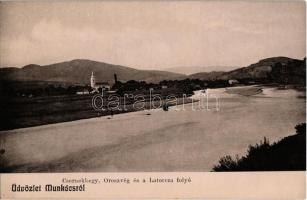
(79, 71)
(188, 70)
(261, 69)
(206, 75)
(275, 69)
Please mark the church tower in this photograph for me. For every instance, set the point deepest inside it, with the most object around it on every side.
(93, 83)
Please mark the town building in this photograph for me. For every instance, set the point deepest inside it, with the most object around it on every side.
(82, 92)
(99, 85)
(233, 82)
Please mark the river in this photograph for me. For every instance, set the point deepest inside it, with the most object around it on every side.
(185, 138)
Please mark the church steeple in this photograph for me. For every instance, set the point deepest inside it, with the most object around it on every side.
(93, 82)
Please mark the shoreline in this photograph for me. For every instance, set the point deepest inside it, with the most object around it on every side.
(80, 109)
(96, 144)
(245, 91)
(99, 114)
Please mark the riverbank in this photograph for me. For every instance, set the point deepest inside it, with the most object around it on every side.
(245, 91)
(288, 154)
(182, 139)
(30, 112)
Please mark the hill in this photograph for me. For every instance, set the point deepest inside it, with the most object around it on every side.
(262, 69)
(79, 71)
(276, 69)
(188, 70)
(207, 75)
(270, 70)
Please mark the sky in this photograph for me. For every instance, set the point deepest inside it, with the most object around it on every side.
(152, 34)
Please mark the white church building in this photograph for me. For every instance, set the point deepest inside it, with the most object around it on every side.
(96, 85)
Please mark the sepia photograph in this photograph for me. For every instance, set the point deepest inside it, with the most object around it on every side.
(154, 86)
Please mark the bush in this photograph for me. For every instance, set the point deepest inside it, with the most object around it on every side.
(287, 154)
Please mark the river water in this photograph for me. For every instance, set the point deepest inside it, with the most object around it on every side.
(186, 138)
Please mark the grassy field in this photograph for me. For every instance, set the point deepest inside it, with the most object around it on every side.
(17, 112)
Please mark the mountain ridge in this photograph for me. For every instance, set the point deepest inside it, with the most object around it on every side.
(273, 69)
(79, 71)
(189, 70)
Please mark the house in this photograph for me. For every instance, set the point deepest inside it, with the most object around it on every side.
(103, 85)
(233, 82)
(82, 92)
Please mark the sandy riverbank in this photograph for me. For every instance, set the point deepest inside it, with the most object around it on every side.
(177, 140)
(245, 90)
